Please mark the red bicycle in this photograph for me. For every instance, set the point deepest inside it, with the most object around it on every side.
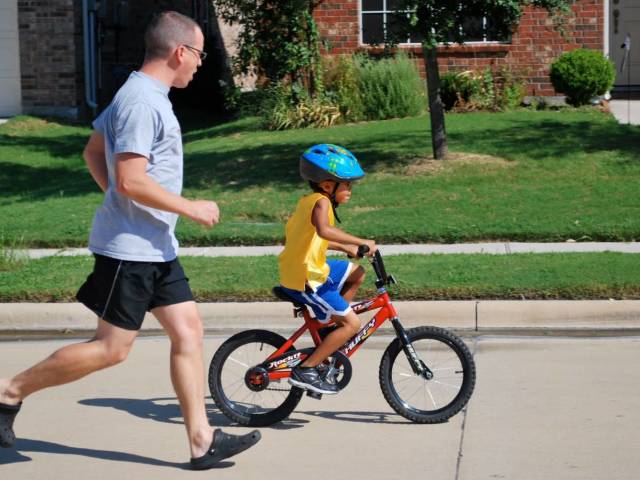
(427, 374)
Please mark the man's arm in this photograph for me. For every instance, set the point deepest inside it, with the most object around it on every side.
(96, 161)
(338, 239)
(133, 182)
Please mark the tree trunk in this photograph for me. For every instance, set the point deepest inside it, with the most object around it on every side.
(436, 107)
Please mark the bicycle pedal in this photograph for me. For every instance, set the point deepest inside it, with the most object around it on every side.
(317, 396)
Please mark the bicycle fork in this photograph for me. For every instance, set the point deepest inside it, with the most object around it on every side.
(418, 366)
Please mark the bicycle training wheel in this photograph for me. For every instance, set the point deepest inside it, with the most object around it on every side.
(431, 400)
(230, 372)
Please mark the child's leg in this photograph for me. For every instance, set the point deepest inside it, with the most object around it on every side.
(352, 283)
(348, 326)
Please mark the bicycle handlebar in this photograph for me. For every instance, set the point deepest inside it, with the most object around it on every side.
(378, 266)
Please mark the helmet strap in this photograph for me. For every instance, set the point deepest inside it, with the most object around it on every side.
(334, 203)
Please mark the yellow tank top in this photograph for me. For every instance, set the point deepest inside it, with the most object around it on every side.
(304, 258)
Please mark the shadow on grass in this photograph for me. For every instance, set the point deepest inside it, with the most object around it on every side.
(552, 139)
(36, 183)
(245, 164)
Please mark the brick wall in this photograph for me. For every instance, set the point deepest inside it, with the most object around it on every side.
(49, 57)
(533, 47)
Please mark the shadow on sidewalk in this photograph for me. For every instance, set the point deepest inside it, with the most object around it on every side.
(167, 410)
(27, 445)
(386, 418)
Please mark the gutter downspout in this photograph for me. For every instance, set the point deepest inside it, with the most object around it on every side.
(89, 36)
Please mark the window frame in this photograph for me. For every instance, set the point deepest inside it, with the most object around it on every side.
(385, 12)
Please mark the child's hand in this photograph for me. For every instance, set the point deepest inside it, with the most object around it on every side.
(372, 247)
(351, 251)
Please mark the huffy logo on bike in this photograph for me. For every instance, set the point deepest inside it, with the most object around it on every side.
(286, 362)
(364, 333)
(361, 307)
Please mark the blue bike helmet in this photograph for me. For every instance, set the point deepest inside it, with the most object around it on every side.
(329, 162)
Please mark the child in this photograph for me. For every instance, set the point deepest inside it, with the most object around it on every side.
(305, 274)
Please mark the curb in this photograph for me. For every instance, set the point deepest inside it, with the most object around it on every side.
(492, 248)
(510, 317)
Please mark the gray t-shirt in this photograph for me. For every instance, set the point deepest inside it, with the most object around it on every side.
(139, 120)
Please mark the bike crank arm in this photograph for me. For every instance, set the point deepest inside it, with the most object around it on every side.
(417, 365)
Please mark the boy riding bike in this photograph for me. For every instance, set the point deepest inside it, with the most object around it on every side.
(327, 286)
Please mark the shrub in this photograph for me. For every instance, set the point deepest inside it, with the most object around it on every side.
(342, 86)
(390, 87)
(471, 90)
(581, 75)
(511, 90)
(450, 93)
(286, 106)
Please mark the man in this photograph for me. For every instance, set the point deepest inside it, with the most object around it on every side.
(135, 155)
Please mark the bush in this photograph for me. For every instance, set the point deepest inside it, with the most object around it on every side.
(342, 86)
(354, 88)
(581, 75)
(471, 90)
(450, 90)
(285, 106)
(390, 87)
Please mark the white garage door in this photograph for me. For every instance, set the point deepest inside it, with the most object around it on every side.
(10, 96)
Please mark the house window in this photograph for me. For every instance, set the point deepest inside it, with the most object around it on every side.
(380, 20)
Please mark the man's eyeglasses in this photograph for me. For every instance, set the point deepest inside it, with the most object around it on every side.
(200, 53)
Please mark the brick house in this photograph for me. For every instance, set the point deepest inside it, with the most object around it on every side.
(350, 25)
(67, 57)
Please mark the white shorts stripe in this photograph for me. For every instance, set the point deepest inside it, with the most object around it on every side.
(345, 276)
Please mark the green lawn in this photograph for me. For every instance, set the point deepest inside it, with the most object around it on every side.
(521, 176)
(425, 277)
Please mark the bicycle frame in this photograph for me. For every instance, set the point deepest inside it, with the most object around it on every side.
(381, 302)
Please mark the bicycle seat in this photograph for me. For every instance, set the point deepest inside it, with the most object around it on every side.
(282, 295)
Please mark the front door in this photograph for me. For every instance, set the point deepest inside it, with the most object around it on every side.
(624, 19)
(10, 96)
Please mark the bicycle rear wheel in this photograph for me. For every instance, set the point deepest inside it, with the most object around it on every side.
(437, 399)
(230, 388)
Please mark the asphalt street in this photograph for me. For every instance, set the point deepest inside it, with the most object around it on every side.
(544, 407)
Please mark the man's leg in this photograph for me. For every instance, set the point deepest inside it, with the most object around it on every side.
(109, 346)
(183, 324)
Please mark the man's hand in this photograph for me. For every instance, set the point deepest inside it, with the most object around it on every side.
(204, 212)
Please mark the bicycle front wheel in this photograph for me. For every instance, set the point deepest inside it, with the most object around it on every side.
(431, 400)
(231, 390)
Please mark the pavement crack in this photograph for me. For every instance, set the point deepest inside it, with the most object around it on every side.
(464, 420)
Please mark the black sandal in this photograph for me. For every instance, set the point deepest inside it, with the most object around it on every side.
(224, 445)
(7, 416)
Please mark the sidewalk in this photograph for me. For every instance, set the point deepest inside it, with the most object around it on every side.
(625, 111)
(526, 317)
(496, 248)
(591, 317)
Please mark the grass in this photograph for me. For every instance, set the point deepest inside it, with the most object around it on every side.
(521, 176)
(423, 277)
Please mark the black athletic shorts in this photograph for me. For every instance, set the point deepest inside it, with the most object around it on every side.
(122, 291)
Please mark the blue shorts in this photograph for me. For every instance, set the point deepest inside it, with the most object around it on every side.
(326, 300)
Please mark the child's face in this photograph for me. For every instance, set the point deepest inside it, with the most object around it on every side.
(343, 192)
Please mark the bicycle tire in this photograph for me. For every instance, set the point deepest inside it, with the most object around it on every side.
(233, 409)
(446, 342)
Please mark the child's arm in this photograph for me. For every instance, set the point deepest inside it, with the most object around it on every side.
(338, 239)
(351, 250)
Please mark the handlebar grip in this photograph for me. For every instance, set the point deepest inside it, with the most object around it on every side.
(362, 250)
